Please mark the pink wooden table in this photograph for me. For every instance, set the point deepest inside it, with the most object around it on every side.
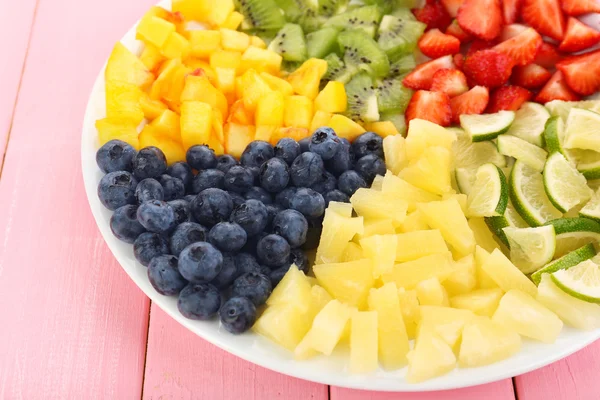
(73, 325)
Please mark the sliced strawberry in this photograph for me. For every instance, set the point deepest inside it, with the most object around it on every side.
(450, 81)
(556, 89)
(547, 55)
(512, 30)
(481, 18)
(509, 98)
(479, 44)
(472, 102)
(431, 106)
(488, 68)
(459, 61)
(531, 76)
(452, 6)
(455, 30)
(522, 48)
(436, 44)
(582, 73)
(578, 36)
(434, 15)
(545, 16)
(510, 10)
(578, 7)
(421, 77)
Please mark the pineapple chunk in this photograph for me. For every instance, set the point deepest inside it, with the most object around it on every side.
(255, 40)
(483, 279)
(370, 203)
(176, 46)
(485, 342)
(234, 40)
(337, 231)
(261, 60)
(123, 102)
(463, 278)
(363, 342)
(332, 98)
(349, 282)
(168, 124)
(213, 12)
(414, 221)
(377, 183)
(506, 274)
(447, 322)
(423, 134)
(482, 301)
(298, 111)
(237, 137)
(447, 216)
(483, 235)
(204, 42)
(172, 149)
(343, 209)
(225, 80)
(199, 88)
(431, 357)
(254, 88)
(225, 59)
(320, 297)
(277, 84)
(409, 274)
(430, 292)
(414, 245)
(306, 79)
(352, 252)
(151, 57)
(345, 127)
(196, 123)
(151, 108)
(409, 306)
(239, 115)
(460, 198)
(265, 132)
(110, 128)
(382, 128)
(270, 109)
(394, 149)
(376, 227)
(526, 316)
(154, 30)
(381, 249)
(431, 171)
(294, 288)
(233, 22)
(403, 190)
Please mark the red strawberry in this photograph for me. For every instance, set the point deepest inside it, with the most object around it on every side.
(420, 78)
(512, 30)
(436, 44)
(578, 7)
(578, 37)
(452, 6)
(545, 16)
(547, 55)
(431, 106)
(531, 76)
(556, 89)
(481, 18)
(450, 81)
(488, 68)
(472, 102)
(508, 98)
(477, 45)
(510, 10)
(582, 73)
(459, 61)
(455, 30)
(434, 15)
(522, 48)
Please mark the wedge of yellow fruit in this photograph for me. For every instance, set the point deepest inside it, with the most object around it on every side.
(431, 171)
(338, 230)
(270, 109)
(348, 282)
(409, 306)
(506, 275)
(430, 358)
(414, 221)
(176, 46)
(481, 301)
(261, 60)
(277, 84)
(237, 138)
(233, 21)
(413, 245)
(294, 288)
(213, 12)
(381, 249)
(485, 342)
(374, 204)
(123, 102)
(234, 40)
(352, 252)
(376, 227)
(423, 134)
(483, 235)
(409, 274)
(199, 88)
(403, 190)
(332, 98)
(306, 79)
(151, 108)
(151, 57)
(345, 127)
(254, 88)
(394, 149)
(363, 342)
(463, 278)
(484, 281)
(447, 322)
(168, 124)
(382, 128)
(110, 129)
(196, 123)
(343, 209)
(154, 30)
(430, 292)
(204, 42)
(298, 111)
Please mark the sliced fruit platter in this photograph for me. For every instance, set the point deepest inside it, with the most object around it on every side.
(383, 195)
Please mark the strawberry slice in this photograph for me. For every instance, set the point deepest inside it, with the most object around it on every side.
(434, 15)
(452, 6)
(531, 76)
(421, 77)
(545, 16)
(510, 10)
(547, 55)
(512, 30)
(481, 18)
(479, 44)
(509, 98)
(578, 7)
(578, 36)
(472, 102)
(459, 61)
(556, 89)
(582, 73)
(455, 30)
(431, 106)
(450, 81)
(436, 44)
(522, 48)
(488, 68)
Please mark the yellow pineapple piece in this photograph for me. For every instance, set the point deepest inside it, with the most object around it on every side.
(343, 209)
(431, 357)
(225, 78)
(298, 111)
(409, 306)
(460, 198)
(382, 128)
(394, 149)
(348, 282)
(233, 21)
(482, 301)
(374, 204)
(151, 57)
(265, 132)
(409, 274)
(196, 123)
(526, 316)
(277, 84)
(175, 87)
(447, 322)
(381, 249)
(239, 115)
(377, 183)
(154, 30)
(463, 278)
(261, 60)
(176, 46)
(414, 221)
(234, 40)
(270, 109)
(430, 292)
(225, 59)
(213, 12)
(254, 88)
(431, 171)
(123, 102)
(196, 65)
(199, 88)
(290, 132)
(338, 230)
(486, 342)
(413, 245)
(363, 342)
(483, 235)
(332, 98)
(237, 137)
(151, 108)
(294, 288)
(217, 146)
(204, 42)
(320, 118)
(258, 42)
(506, 275)
(217, 127)
(111, 128)
(376, 227)
(285, 324)
(306, 79)
(352, 252)
(345, 127)
(168, 124)
(162, 83)
(423, 134)
(483, 279)
(405, 191)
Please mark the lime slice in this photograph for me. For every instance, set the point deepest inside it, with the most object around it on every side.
(572, 233)
(530, 121)
(583, 130)
(554, 135)
(465, 178)
(591, 209)
(489, 194)
(524, 151)
(486, 126)
(587, 162)
(511, 218)
(531, 248)
(581, 281)
(565, 186)
(526, 189)
(472, 155)
(567, 261)
(560, 108)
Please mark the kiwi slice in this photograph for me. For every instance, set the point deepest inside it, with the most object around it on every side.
(384, 5)
(402, 9)
(364, 18)
(302, 12)
(260, 14)
(392, 95)
(337, 70)
(398, 37)
(327, 8)
(290, 43)
(362, 99)
(396, 118)
(362, 52)
(402, 65)
(322, 42)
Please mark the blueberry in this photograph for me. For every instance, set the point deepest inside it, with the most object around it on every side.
(300, 259)
(182, 210)
(252, 216)
(115, 155)
(272, 211)
(238, 314)
(173, 187)
(149, 189)
(341, 162)
(368, 143)
(149, 162)
(369, 167)
(237, 199)
(149, 245)
(186, 234)
(283, 198)
(255, 171)
(124, 224)
(199, 301)
(308, 202)
(117, 189)
(306, 169)
(274, 175)
(209, 178)
(156, 216)
(304, 145)
(256, 153)
(287, 149)
(292, 226)
(189, 198)
(228, 272)
(227, 236)
(246, 262)
(182, 171)
(313, 237)
(327, 183)
(254, 286)
(225, 162)
(325, 143)
(200, 262)
(211, 206)
(239, 179)
(273, 250)
(201, 157)
(336, 195)
(350, 181)
(164, 275)
(260, 194)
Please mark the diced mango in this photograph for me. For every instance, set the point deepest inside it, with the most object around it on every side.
(199, 88)
(382, 128)
(213, 12)
(168, 125)
(225, 80)
(233, 21)
(270, 109)
(175, 88)
(217, 126)
(149, 137)
(239, 114)
(204, 42)
(278, 84)
(151, 57)
(291, 132)
(196, 123)
(348, 282)
(225, 59)
(124, 66)
(409, 274)
(123, 102)
(332, 98)
(176, 46)
(265, 132)
(261, 60)
(237, 137)
(345, 127)
(363, 342)
(254, 87)
(154, 30)
(257, 42)
(216, 145)
(298, 111)
(151, 108)
(234, 40)
(161, 85)
(306, 79)
(109, 129)
(321, 118)
(159, 12)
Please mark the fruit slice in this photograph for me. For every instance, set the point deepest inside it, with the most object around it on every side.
(531, 248)
(392, 95)
(481, 18)
(413, 222)
(394, 149)
(510, 218)
(578, 37)
(485, 342)
(509, 98)
(581, 281)
(446, 322)
(124, 66)
(512, 146)
(349, 282)
(583, 130)
(403, 190)
(430, 292)
(556, 89)
(472, 155)
(363, 342)
(433, 14)
(579, 7)
(530, 121)
(337, 232)
(582, 72)
(522, 48)
(421, 77)
(381, 249)
(431, 172)
(362, 100)
(554, 134)
(414, 245)
(489, 194)
(560, 108)
(408, 275)
(431, 357)
(363, 52)
(423, 134)
(321, 43)
(591, 209)
(472, 102)
(572, 233)
(506, 274)
(483, 235)
(545, 16)
(364, 18)
(482, 301)
(484, 281)
(398, 37)
(430, 106)
(375, 204)
(450, 81)
(531, 76)
(587, 161)
(487, 126)
(565, 186)
(294, 288)
(409, 306)
(290, 43)
(488, 67)
(463, 278)
(336, 69)
(436, 44)
(567, 261)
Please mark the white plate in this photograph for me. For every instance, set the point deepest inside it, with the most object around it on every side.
(260, 351)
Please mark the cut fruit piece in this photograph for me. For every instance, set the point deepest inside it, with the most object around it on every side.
(471, 103)
(348, 282)
(430, 292)
(587, 161)
(362, 52)
(306, 79)
(430, 106)
(431, 357)
(404, 64)
(413, 222)
(485, 342)
(578, 37)
(392, 95)
(530, 121)
(565, 262)
(572, 233)
(321, 43)
(124, 66)
(403, 190)
(532, 155)
(363, 342)
(423, 134)
(463, 278)
(581, 281)
(431, 172)
(409, 306)
(290, 43)
(565, 186)
(263, 15)
(352, 252)
(582, 72)
(560, 108)
(435, 43)
(508, 98)
(332, 98)
(591, 209)
(506, 274)
(545, 16)
(472, 155)
(345, 127)
(522, 48)
(484, 281)
(409, 274)
(510, 218)
(364, 18)
(450, 81)
(531, 248)
(531, 76)
(488, 196)
(583, 130)
(374, 204)
(447, 322)
(336, 69)
(362, 99)
(421, 77)
(374, 227)
(486, 126)
(343, 209)
(398, 37)
(394, 149)
(381, 249)
(338, 230)
(483, 235)
(294, 288)
(482, 301)
(482, 19)
(554, 134)
(414, 245)
(556, 89)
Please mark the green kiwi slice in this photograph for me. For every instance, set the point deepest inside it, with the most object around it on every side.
(364, 18)
(322, 42)
(260, 14)
(398, 37)
(362, 99)
(392, 95)
(362, 52)
(337, 70)
(290, 43)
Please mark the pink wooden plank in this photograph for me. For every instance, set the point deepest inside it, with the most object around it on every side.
(574, 378)
(181, 365)
(74, 325)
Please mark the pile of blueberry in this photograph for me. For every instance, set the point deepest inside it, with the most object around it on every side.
(213, 230)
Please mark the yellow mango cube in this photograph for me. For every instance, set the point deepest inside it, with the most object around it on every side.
(124, 66)
(239, 115)
(123, 102)
(213, 12)
(234, 40)
(149, 137)
(196, 65)
(154, 30)
(233, 21)
(348, 282)
(306, 79)
(257, 42)
(151, 108)
(261, 60)
(345, 127)
(225, 59)
(217, 126)
(290, 132)
(110, 129)
(270, 109)
(176, 46)
(159, 12)
(298, 111)
(277, 84)
(173, 150)
(332, 98)
(321, 118)
(168, 125)
(216, 145)
(161, 85)
(254, 88)
(237, 137)
(409, 274)
(204, 42)
(196, 123)
(265, 132)
(363, 342)
(225, 79)
(151, 57)
(382, 128)
(430, 292)
(199, 88)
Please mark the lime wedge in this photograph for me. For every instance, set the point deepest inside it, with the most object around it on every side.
(583, 130)
(472, 155)
(530, 154)
(587, 162)
(581, 281)
(572, 233)
(529, 124)
(591, 209)
(486, 126)
(567, 261)
(489, 194)
(531, 248)
(511, 218)
(554, 135)
(465, 179)
(560, 108)
(565, 186)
